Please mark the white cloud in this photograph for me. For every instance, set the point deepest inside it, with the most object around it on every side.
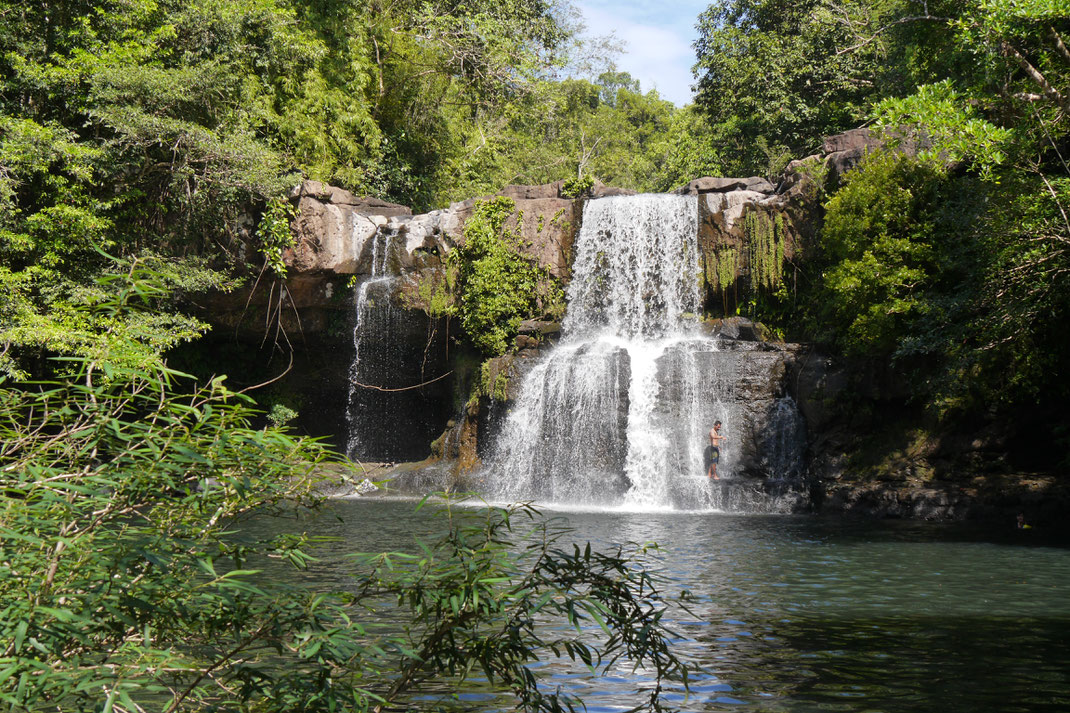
(657, 41)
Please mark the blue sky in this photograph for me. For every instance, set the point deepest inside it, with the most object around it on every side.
(657, 40)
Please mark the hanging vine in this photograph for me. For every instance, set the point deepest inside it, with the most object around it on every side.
(765, 250)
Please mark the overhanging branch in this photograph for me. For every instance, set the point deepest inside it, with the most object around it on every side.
(890, 25)
(1050, 91)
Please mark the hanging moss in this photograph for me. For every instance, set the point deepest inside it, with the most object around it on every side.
(765, 250)
(726, 267)
(493, 381)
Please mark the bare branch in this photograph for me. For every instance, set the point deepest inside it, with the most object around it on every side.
(890, 25)
(1058, 203)
(1059, 45)
(403, 388)
(1051, 92)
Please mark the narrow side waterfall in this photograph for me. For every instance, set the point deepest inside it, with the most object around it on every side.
(617, 414)
(371, 415)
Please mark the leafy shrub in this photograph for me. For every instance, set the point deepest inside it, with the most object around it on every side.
(879, 242)
(577, 186)
(498, 287)
(275, 234)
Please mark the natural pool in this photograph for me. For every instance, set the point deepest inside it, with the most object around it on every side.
(807, 614)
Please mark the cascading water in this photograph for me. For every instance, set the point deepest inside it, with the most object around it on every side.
(617, 414)
(375, 356)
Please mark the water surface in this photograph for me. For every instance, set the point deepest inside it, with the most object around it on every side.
(805, 614)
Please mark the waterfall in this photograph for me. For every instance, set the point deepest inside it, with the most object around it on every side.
(370, 413)
(617, 414)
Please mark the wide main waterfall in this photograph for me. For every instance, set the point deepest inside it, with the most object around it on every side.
(617, 414)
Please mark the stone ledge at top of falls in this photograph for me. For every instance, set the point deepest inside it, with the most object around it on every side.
(709, 184)
(326, 193)
(334, 228)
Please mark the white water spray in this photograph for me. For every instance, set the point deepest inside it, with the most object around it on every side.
(616, 414)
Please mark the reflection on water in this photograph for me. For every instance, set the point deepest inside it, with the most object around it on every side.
(802, 614)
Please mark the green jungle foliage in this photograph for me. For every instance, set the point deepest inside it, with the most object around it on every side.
(497, 286)
(143, 145)
(165, 130)
(883, 239)
(775, 76)
(577, 129)
(948, 269)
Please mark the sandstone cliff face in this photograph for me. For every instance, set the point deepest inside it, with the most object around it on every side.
(334, 230)
(340, 236)
(336, 238)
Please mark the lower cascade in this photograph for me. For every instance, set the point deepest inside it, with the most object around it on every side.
(618, 413)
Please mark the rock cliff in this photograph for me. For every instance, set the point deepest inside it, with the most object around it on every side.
(746, 225)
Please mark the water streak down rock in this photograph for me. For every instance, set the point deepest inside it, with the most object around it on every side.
(617, 414)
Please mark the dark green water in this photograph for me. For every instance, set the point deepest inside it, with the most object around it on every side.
(805, 614)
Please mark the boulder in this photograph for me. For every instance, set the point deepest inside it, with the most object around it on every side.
(731, 205)
(329, 238)
(547, 232)
(333, 226)
(843, 152)
(708, 184)
(539, 327)
(546, 190)
(601, 190)
(854, 140)
(326, 193)
(737, 328)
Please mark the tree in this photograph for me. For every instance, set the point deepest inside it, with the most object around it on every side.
(901, 262)
(952, 263)
(157, 129)
(770, 80)
(775, 76)
(566, 129)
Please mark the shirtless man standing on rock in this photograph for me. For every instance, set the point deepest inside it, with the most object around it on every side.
(713, 452)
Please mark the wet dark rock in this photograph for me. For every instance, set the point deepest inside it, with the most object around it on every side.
(336, 232)
(737, 328)
(543, 327)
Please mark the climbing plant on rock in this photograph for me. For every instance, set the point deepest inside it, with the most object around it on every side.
(275, 235)
(498, 286)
